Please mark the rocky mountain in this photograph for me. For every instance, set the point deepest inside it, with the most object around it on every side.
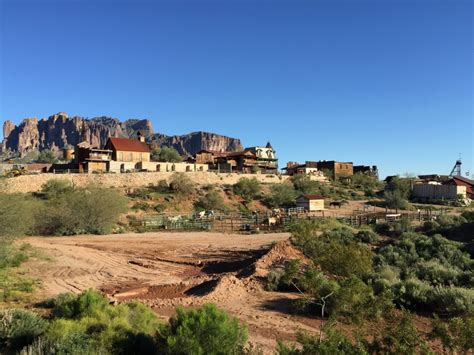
(59, 131)
(191, 143)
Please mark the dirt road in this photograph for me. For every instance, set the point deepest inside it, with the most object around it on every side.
(164, 270)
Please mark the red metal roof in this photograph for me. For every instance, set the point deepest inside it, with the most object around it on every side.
(128, 145)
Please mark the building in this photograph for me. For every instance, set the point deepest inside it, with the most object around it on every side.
(337, 170)
(462, 181)
(367, 170)
(309, 168)
(250, 160)
(266, 160)
(90, 159)
(127, 154)
(311, 203)
(436, 191)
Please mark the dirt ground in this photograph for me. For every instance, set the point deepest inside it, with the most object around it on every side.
(168, 269)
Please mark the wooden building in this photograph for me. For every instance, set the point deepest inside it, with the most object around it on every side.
(89, 159)
(311, 203)
(128, 150)
(338, 170)
(462, 181)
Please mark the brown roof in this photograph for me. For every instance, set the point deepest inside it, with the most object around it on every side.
(313, 197)
(127, 145)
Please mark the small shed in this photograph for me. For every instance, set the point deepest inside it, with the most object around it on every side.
(311, 203)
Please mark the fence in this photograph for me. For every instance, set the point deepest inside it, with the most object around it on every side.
(229, 223)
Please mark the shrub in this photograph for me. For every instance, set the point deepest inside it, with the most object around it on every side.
(400, 337)
(90, 210)
(55, 187)
(47, 156)
(247, 188)
(455, 334)
(207, 330)
(395, 200)
(181, 184)
(88, 321)
(284, 279)
(333, 343)
(19, 328)
(367, 236)
(281, 195)
(166, 154)
(212, 200)
(16, 216)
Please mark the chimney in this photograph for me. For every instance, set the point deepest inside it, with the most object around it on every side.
(140, 137)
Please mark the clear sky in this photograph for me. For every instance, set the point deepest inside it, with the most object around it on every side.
(386, 82)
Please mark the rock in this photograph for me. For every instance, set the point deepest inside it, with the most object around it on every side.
(59, 131)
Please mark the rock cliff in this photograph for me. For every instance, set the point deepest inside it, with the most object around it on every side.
(60, 130)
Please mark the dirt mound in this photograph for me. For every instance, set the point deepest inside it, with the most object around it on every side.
(277, 255)
(231, 287)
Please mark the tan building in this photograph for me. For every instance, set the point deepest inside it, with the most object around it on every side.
(310, 203)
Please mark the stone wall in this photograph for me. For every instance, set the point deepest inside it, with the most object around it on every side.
(33, 183)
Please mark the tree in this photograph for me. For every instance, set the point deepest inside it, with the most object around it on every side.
(281, 195)
(47, 156)
(394, 199)
(207, 330)
(247, 188)
(166, 154)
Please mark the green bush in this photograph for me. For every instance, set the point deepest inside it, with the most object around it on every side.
(455, 334)
(47, 156)
(16, 216)
(181, 184)
(247, 188)
(207, 330)
(90, 210)
(55, 187)
(212, 200)
(367, 236)
(400, 337)
(281, 195)
(333, 343)
(395, 200)
(166, 154)
(89, 321)
(286, 278)
(19, 328)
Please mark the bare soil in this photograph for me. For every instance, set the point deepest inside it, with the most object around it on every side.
(165, 270)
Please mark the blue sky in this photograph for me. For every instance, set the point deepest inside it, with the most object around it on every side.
(385, 82)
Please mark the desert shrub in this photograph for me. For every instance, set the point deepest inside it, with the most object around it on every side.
(367, 236)
(395, 200)
(333, 343)
(19, 328)
(90, 210)
(47, 156)
(181, 184)
(212, 200)
(400, 337)
(344, 259)
(402, 186)
(143, 206)
(88, 321)
(365, 181)
(16, 215)
(468, 216)
(166, 154)
(284, 279)
(207, 330)
(455, 334)
(281, 195)
(247, 188)
(354, 300)
(55, 187)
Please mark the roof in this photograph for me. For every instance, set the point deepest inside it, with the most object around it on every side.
(128, 145)
(463, 179)
(313, 197)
